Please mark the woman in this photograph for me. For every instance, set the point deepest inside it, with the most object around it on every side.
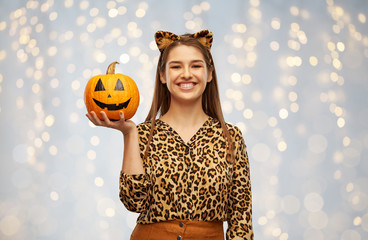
(187, 171)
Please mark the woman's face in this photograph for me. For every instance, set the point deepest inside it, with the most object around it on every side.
(186, 74)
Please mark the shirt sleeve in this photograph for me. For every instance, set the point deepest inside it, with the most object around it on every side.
(240, 211)
(134, 191)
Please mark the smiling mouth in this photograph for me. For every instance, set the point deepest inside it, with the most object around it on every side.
(112, 107)
(187, 85)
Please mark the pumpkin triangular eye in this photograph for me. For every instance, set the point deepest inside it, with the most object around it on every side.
(99, 86)
(119, 86)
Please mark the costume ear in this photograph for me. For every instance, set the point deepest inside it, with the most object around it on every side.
(205, 37)
(164, 39)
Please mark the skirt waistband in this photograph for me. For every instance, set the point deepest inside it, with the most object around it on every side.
(179, 230)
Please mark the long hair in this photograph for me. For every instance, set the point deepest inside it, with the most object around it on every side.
(210, 99)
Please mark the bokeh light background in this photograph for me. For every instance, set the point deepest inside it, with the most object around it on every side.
(293, 76)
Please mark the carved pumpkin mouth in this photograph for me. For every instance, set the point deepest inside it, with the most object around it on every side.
(112, 107)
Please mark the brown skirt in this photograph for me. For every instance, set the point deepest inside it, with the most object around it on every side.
(179, 230)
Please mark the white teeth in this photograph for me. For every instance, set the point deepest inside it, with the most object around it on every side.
(186, 85)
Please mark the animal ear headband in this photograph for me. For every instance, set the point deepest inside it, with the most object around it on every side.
(164, 39)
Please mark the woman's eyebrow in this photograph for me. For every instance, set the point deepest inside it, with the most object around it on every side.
(193, 61)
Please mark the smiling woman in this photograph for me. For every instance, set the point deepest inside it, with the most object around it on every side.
(186, 172)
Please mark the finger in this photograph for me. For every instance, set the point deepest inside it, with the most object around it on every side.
(105, 118)
(94, 118)
(121, 114)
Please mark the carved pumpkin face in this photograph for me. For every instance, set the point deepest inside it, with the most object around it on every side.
(112, 93)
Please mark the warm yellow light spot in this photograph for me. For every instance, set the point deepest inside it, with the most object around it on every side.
(282, 146)
(331, 46)
(110, 212)
(240, 28)
(91, 155)
(235, 77)
(284, 236)
(313, 61)
(24, 39)
(275, 46)
(362, 18)
(53, 150)
(294, 107)
(293, 96)
(295, 27)
(252, 41)
(53, 16)
(2, 55)
(334, 77)
(283, 113)
(292, 80)
(255, 13)
(49, 120)
(196, 9)
(349, 187)
(248, 113)
(246, 79)
(237, 42)
(262, 221)
(122, 10)
(338, 111)
(340, 46)
(294, 10)
(275, 23)
(294, 61)
(337, 64)
(276, 232)
(302, 37)
(340, 122)
(292, 44)
(272, 121)
(2, 25)
(45, 136)
(336, 29)
(339, 11)
(346, 141)
(99, 182)
(357, 221)
(54, 196)
(10, 225)
(95, 140)
(254, 3)
(140, 13)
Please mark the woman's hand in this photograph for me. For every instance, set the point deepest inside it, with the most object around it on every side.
(125, 126)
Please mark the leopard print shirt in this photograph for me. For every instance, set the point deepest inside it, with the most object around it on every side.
(193, 180)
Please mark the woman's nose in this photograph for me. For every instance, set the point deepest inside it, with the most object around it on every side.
(186, 72)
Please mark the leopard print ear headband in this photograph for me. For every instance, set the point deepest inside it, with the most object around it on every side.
(164, 39)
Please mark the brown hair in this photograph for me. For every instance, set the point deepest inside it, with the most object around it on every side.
(210, 100)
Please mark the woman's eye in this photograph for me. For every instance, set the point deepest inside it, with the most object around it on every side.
(175, 66)
(197, 66)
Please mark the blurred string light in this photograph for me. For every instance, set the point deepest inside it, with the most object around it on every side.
(289, 85)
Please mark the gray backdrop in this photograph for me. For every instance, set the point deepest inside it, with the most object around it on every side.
(293, 76)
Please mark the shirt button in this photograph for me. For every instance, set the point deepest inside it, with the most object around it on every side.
(179, 237)
(181, 224)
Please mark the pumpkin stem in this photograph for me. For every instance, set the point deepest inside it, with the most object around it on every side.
(111, 68)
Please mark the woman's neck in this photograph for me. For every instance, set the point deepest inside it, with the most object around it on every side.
(185, 114)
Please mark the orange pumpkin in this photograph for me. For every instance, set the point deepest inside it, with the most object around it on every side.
(112, 93)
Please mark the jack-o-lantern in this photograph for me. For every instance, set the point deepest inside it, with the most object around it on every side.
(112, 93)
